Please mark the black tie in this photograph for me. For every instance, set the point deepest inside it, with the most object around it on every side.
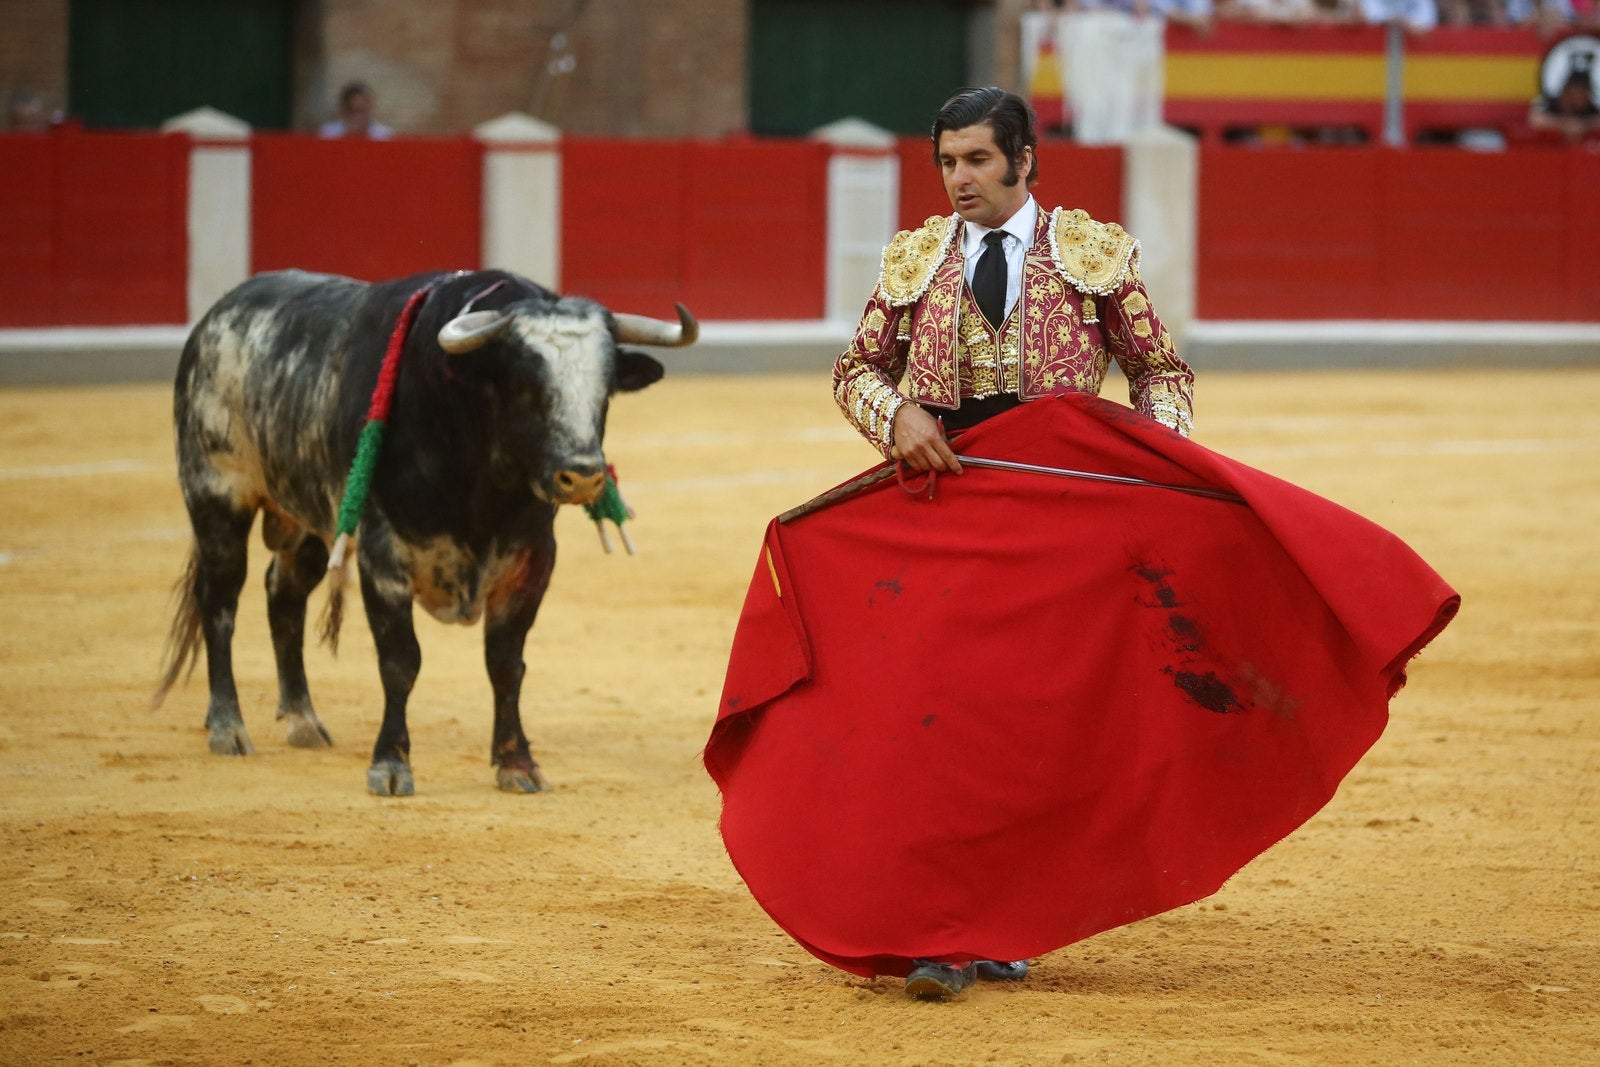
(989, 278)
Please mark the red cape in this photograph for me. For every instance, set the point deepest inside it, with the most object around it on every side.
(990, 724)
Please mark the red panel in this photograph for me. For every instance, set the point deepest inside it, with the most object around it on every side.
(28, 214)
(1288, 234)
(758, 217)
(921, 189)
(367, 209)
(123, 251)
(1070, 175)
(732, 229)
(622, 237)
(1074, 175)
(1240, 37)
(1581, 260)
(1383, 234)
(93, 229)
(1470, 235)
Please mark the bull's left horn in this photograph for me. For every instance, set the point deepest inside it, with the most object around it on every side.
(642, 330)
(464, 333)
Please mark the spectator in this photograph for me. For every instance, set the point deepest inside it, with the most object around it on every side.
(26, 112)
(1549, 16)
(356, 106)
(1417, 16)
(1571, 111)
(1195, 14)
(1282, 12)
(1287, 12)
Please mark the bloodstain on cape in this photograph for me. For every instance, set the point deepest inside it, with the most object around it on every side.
(1031, 709)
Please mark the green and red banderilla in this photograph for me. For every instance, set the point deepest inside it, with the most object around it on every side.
(610, 505)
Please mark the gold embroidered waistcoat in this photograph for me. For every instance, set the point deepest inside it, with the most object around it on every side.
(986, 358)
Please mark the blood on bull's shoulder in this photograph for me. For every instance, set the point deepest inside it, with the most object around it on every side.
(434, 422)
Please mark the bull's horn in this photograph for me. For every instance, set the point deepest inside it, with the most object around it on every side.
(464, 333)
(642, 330)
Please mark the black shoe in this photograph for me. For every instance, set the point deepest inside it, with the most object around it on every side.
(996, 971)
(938, 981)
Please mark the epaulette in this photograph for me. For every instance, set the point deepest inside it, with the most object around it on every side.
(910, 260)
(1095, 257)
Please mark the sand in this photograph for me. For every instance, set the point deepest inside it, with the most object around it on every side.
(161, 905)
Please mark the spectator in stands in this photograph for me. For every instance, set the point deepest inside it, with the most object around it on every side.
(1288, 12)
(1195, 14)
(356, 107)
(26, 112)
(1572, 111)
(1417, 16)
(1549, 16)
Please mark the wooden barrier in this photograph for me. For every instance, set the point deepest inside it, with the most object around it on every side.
(92, 229)
(368, 209)
(732, 229)
(1418, 234)
(93, 225)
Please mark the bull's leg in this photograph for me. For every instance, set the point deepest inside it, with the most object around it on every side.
(297, 566)
(510, 616)
(388, 604)
(222, 534)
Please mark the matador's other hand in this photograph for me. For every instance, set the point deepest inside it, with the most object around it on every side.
(919, 441)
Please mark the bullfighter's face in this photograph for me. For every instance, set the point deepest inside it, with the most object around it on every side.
(983, 185)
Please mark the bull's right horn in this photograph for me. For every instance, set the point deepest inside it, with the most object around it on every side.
(643, 330)
(464, 333)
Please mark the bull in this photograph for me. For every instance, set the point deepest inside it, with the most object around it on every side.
(498, 416)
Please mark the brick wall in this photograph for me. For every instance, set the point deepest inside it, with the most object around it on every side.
(33, 50)
(642, 68)
(623, 67)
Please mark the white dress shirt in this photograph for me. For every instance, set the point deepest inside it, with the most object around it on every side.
(1019, 231)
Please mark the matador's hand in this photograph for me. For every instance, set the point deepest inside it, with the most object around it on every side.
(919, 441)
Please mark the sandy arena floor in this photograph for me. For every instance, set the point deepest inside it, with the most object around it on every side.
(160, 905)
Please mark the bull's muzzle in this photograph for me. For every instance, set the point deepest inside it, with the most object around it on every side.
(576, 487)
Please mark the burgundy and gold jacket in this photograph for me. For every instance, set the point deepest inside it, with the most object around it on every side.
(1082, 304)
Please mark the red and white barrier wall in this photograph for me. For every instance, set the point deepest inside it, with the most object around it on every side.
(126, 229)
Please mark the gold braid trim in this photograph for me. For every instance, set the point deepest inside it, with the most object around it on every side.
(912, 257)
(1094, 257)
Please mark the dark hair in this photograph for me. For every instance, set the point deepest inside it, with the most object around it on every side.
(352, 90)
(1579, 77)
(1007, 114)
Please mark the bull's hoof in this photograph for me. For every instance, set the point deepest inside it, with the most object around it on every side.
(390, 778)
(527, 779)
(230, 741)
(307, 731)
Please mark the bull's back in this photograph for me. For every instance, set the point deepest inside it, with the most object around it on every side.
(256, 404)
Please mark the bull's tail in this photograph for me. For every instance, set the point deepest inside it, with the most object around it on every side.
(333, 609)
(183, 640)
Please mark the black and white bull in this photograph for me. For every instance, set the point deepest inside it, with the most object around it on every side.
(498, 417)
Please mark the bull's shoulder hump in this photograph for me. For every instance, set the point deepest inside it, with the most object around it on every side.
(295, 282)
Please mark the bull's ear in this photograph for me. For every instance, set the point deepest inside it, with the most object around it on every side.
(635, 370)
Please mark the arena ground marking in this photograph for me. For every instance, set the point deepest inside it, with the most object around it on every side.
(78, 470)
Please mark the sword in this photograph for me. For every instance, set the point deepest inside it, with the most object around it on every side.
(1119, 479)
(872, 478)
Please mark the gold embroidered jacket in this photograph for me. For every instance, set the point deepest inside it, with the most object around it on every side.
(1082, 304)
